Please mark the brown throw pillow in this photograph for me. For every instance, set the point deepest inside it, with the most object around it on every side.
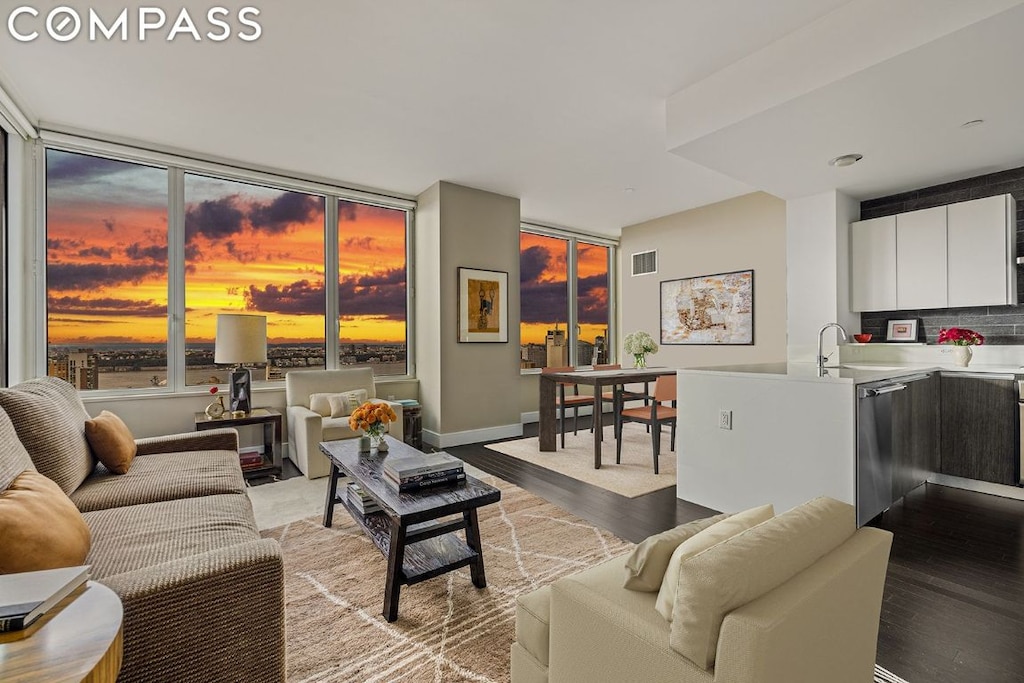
(40, 528)
(111, 441)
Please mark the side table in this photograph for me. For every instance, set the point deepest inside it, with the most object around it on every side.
(78, 640)
(273, 424)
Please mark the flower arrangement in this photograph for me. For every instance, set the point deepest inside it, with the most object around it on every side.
(960, 336)
(639, 344)
(372, 418)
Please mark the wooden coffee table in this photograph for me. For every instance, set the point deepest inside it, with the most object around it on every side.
(409, 530)
(78, 640)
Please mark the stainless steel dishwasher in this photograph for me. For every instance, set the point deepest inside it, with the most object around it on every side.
(875, 440)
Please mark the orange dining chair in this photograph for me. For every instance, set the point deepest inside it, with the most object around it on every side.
(653, 416)
(574, 400)
(609, 396)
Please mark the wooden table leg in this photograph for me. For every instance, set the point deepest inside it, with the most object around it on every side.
(393, 584)
(546, 407)
(476, 569)
(332, 494)
(598, 418)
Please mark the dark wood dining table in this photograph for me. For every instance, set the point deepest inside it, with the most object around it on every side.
(597, 379)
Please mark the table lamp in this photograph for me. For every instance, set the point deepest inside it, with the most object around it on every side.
(241, 338)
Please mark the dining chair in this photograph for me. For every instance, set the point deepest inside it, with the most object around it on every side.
(654, 416)
(624, 395)
(574, 400)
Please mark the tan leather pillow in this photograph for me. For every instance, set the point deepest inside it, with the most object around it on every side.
(748, 565)
(111, 441)
(712, 536)
(646, 565)
(40, 528)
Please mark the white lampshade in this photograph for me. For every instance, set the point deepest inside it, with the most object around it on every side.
(241, 338)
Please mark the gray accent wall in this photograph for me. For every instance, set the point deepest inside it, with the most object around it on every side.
(999, 324)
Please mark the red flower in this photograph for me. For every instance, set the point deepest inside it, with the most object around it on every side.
(960, 336)
(213, 390)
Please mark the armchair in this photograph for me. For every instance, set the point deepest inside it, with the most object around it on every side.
(307, 428)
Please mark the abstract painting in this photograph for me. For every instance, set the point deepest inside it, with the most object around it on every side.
(483, 305)
(709, 309)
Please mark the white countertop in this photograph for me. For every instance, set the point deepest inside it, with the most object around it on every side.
(851, 373)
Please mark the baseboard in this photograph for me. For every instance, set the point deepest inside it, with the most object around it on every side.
(447, 439)
(1002, 490)
(534, 415)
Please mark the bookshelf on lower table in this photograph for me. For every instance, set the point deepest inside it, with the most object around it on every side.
(417, 532)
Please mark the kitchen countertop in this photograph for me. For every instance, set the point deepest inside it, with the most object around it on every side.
(851, 373)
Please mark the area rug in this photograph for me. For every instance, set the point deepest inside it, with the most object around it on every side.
(447, 630)
(634, 477)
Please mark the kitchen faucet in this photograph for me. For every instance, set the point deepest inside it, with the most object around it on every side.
(840, 332)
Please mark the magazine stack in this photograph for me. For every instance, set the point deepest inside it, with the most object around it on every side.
(417, 472)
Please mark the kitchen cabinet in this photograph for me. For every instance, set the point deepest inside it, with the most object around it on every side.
(915, 448)
(873, 264)
(982, 252)
(921, 259)
(979, 421)
(950, 256)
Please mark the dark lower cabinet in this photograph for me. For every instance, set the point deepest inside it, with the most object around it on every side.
(915, 434)
(979, 421)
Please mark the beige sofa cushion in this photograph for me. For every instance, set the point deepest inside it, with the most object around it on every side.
(342, 405)
(50, 420)
(646, 565)
(111, 441)
(14, 459)
(746, 566)
(711, 536)
(39, 527)
(533, 623)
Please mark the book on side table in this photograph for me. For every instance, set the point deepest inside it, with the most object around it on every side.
(417, 472)
(26, 596)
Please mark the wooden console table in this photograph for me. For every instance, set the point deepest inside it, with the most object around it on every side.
(408, 529)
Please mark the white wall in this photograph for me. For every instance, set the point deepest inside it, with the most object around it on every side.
(738, 234)
(818, 274)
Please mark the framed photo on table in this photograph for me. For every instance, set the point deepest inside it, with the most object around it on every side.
(901, 331)
(483, 305)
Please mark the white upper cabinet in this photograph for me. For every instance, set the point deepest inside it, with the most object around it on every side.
(982, 252)
(873, 264)
(953, 256)
(921, 259)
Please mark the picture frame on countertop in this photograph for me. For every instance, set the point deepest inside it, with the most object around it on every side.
(901, 330)
(483, 306)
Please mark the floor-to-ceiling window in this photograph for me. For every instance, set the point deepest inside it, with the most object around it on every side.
(142, 257)
(565, 310)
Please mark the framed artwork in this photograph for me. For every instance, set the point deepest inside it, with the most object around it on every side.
(901, 331)
(709, 309)
(483, 305)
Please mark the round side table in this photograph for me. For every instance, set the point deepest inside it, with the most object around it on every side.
(78, 640)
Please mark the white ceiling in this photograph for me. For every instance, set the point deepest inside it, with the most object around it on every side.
(562, 104)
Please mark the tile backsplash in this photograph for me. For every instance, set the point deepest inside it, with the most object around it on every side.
(999, 324)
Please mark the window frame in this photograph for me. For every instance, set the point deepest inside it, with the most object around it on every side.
(177, 165)
(574, 239)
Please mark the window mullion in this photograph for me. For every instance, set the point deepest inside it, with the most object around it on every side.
(572, 334)
(332, 319)
(176, 278)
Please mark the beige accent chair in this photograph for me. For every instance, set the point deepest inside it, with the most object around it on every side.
(808, 596)
(306, 429)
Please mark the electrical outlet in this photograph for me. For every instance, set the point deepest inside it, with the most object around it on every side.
(724, 419)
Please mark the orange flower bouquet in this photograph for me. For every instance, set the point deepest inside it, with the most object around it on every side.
(373, 419)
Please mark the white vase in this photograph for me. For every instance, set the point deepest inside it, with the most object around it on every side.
(962, 356)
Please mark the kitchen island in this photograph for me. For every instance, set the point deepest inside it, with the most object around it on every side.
(780, 433)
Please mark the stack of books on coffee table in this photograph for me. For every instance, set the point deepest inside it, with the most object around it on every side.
(417, 472)
(361, 501)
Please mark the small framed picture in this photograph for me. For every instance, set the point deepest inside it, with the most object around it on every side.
(483, 305)
(901, 331)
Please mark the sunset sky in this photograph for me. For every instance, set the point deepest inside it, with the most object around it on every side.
(247, 248)
(542, 283)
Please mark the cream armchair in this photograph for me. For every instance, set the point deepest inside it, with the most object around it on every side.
(795, 599)
(306, 428)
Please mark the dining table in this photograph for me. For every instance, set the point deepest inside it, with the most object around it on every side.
(598, 379)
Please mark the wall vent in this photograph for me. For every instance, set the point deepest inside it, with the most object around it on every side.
(645, 262)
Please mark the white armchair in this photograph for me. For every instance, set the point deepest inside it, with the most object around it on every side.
(307, 428)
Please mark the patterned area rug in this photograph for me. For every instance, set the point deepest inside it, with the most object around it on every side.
(447, 630)
(634, 477)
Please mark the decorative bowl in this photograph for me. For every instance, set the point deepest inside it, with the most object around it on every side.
(862, 338)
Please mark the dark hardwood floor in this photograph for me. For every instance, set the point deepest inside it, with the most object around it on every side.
(953, 609)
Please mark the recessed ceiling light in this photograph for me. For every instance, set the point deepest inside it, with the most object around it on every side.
(972, 123)
(629, 190)
(845, 160)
